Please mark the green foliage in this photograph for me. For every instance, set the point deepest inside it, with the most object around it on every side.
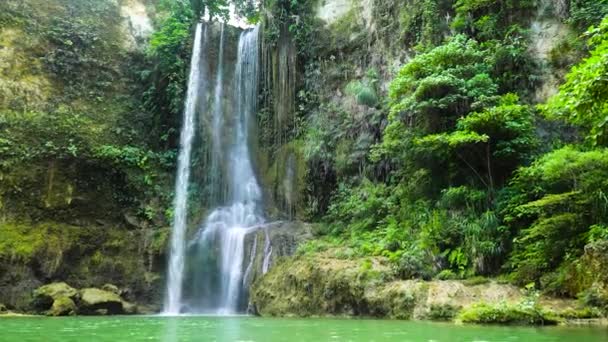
(365, 94)
(556, 202)
(476, 281)
(585, 13)
(583, 99)
(360, 208)
(437, 87)
(489, 19)
(442, 312)
(503, 313)
(80, 46)
(170, 49)
(502, 136)
(295, 18)
(452, 143)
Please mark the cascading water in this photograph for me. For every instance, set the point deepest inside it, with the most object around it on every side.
(213, 279)
(176, 260)
(227, 226)
(217, 131)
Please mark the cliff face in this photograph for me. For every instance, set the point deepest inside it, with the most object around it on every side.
(71, 206)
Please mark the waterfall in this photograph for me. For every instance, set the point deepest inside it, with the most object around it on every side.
(216, 192)
(176, 260)
(227, 226)
(208, 274)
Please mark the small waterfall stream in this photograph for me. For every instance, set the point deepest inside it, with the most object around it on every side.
(176, 259)
(210, 270)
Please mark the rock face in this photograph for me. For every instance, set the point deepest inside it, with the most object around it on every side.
(270, 243)
(136, 21)
(322, 285)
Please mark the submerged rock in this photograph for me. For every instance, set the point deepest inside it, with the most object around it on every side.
(97, 301)
(46, 295)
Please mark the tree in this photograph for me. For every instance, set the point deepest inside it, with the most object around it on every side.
(583, 99)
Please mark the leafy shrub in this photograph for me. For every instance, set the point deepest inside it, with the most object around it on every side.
(489, 19)
(442, 312)
(415, 264)
(503, 313)
(583, 99)
(360, 208)
(476, 281)
(555, 202)
(363, 93)
(447, 275)
(585, 13)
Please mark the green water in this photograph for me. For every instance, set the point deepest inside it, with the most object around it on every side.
(250, 329)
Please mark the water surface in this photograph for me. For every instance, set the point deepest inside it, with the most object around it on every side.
(252, 329)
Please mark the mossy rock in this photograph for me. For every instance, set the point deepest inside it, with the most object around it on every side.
(45, 296)
(62, 306)
(97, 301)
(111, 288)
(3, 308)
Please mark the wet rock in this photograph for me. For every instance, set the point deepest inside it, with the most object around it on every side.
(101, 302)
(46, 295)
(270, 243)
(62, 306)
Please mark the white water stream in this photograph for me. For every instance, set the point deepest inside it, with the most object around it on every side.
(178, 244)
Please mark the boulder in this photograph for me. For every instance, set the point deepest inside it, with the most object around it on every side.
(111, 288)
(129, 308)
(45, 296)
(62, 306)
(97, 301)
(3, 308)
(270, 243)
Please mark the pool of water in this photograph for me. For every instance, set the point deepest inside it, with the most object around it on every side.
(252, 329)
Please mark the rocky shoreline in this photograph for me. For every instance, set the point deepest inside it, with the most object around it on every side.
(60, 299)
(321, 285)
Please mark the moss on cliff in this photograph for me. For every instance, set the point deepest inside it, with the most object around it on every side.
(35, 253)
